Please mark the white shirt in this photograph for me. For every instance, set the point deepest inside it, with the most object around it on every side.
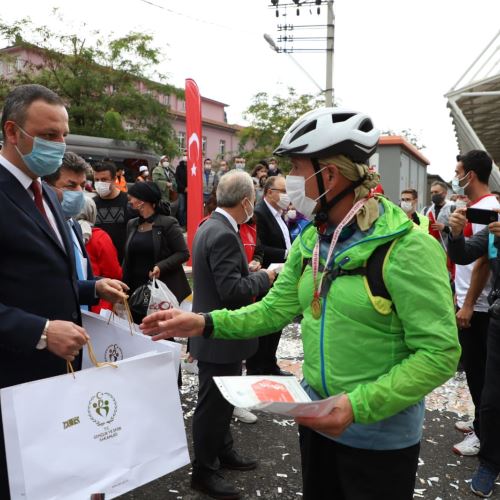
(282, 225)
(26, 181)
(463, 274)
(229, 217)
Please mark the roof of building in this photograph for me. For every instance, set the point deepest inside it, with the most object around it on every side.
(397, 140)
(474, 103)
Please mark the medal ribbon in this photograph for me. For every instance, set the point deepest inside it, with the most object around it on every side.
(315, 256)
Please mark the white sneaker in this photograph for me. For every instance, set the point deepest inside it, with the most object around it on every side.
(190, 367)
(245, 416)
(465, 426)
(469, 446)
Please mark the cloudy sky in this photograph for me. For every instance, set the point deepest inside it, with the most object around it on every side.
(394, 59)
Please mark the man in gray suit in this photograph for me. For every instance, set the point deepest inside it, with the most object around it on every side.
(222, 280)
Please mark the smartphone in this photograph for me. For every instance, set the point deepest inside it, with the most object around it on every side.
(480, 216)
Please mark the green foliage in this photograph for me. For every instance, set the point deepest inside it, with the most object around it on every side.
(269, 118)
(101, 81)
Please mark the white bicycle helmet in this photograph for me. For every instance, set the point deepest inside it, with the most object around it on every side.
(326, 132)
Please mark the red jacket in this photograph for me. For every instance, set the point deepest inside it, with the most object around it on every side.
(104, 260)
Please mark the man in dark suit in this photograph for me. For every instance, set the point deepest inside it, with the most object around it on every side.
(221, 279)
(275, 240)
(39, 292)
(69, 182)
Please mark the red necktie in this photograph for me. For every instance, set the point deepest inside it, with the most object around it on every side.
(37, 192)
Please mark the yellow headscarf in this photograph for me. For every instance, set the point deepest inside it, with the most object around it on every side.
(353, 172)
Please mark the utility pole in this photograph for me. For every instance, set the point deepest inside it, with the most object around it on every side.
(330, 32)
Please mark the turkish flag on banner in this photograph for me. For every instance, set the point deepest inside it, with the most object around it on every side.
(194, 154)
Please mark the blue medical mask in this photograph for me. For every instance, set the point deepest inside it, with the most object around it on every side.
(457, 188)
(72, 203)
(45, 157)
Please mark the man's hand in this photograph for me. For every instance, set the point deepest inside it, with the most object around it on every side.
(173, 323)
(65, 339)
(271, 275)
(335, 423)
(464, 316)
(437, 226)
(254, 266)
(457, 222)
(111, 290)
(155, 273)
(494, 227)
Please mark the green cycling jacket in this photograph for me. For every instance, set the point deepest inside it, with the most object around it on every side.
(385, 358)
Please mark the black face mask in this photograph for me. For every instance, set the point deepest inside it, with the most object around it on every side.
(132, 212)
(437, 199)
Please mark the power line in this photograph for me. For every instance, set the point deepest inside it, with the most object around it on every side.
(196, 19)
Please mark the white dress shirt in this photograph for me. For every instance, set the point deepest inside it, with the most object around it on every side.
(229, 217)
(284, 229)
(26, 181)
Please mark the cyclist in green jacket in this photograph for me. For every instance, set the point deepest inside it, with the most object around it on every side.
(378, 318)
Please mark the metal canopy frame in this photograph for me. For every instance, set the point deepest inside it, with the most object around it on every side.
(474, 103)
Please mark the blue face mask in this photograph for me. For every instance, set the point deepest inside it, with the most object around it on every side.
(45, 157)
(72, 203)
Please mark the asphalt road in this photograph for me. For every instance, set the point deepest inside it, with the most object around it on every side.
(274, 441)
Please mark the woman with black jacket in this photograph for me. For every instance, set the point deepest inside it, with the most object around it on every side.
(155, 246)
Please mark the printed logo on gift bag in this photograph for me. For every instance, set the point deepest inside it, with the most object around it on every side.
(102, 408)
(113, 353)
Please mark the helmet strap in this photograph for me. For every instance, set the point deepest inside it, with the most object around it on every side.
(321, 217)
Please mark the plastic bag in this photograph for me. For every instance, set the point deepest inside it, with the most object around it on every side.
(161, 298)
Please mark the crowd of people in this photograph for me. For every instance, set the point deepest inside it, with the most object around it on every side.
(320, 245)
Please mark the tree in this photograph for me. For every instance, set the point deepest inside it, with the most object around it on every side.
(409, 135)
(269, 118)
(107, 84)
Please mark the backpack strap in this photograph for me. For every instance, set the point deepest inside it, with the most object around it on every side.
(373, 277)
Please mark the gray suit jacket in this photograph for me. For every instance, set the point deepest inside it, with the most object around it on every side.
(221, 279)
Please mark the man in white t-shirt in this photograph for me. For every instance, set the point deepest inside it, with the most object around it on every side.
(472, 287)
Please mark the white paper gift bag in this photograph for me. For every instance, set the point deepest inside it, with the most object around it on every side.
(106, 430)
(112, 340)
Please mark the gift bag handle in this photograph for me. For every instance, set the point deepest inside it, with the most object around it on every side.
(129, 316)
(93, 360)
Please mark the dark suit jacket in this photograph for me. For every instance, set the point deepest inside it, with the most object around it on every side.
(37, 282)
(270, 235)
(221, 279)
(170, 252)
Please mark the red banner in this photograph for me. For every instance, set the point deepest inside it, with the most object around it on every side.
(194, 162)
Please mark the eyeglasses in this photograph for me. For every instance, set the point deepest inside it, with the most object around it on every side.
(280, 190)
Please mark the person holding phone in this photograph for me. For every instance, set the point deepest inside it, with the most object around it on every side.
(484, 243)
(472, 174)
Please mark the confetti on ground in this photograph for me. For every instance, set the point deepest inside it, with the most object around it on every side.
(280, 490)
(258, 493)
(281, 475)
(454, 485)
(173, 491)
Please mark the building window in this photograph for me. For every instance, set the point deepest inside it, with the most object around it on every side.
(181, 140)
(183, 105)
(19, 64)
(204, 145)
(164, 99)
(222, 147)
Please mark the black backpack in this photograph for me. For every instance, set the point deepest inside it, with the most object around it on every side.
(372, 271)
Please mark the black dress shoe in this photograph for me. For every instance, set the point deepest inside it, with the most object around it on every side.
(234, 461)
(214, 485)
(281, 372)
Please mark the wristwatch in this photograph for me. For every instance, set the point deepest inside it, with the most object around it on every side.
(42, 343)
(209, 325)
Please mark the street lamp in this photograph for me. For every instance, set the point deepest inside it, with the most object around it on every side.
(273, 45)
